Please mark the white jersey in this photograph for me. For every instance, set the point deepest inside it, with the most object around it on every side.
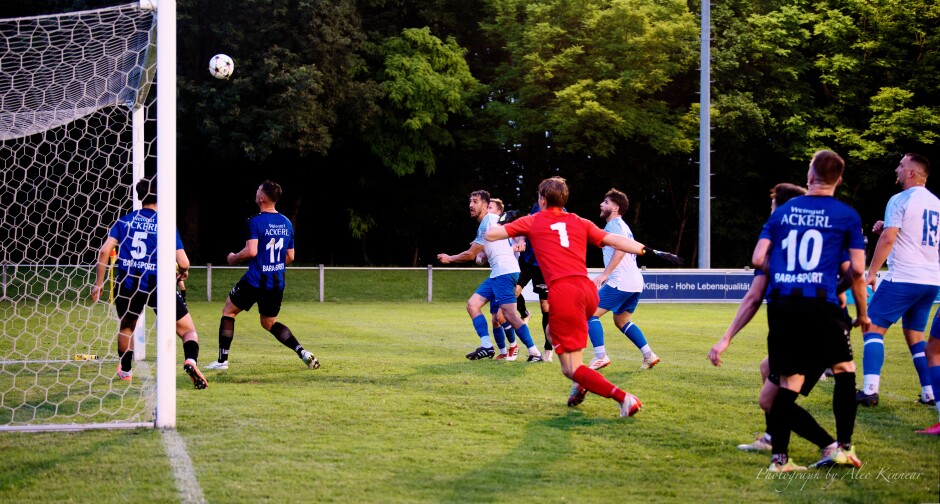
(914, 257)
(499, 253)
(626, 276)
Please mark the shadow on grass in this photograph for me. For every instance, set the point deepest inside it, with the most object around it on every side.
(45, 464)
(547, 441)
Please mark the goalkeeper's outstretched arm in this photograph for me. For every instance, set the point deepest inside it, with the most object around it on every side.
(632, 246)
(623, 243)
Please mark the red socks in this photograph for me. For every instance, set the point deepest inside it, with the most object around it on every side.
(595, 382)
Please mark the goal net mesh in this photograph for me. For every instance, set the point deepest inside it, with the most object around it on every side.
(69, 88)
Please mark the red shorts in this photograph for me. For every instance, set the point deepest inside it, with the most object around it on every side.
(572, 300)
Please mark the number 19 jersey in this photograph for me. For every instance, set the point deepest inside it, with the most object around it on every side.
(809, 236)
(914, 256)
(275, 236)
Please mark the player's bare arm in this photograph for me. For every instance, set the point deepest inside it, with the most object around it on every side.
(467, 255)
(885, 243)
(746, 310)
(289, 258)
(859, 290)
(761, 254)
(182, 265)
(496, 232)
(250, 250)
(615, 259)
(102, 267)
(623, 243)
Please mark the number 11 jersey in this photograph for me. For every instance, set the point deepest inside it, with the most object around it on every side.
(275, 236)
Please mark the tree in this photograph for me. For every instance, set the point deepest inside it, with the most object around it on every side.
(793, 77)
(592, 74)
(425, 80)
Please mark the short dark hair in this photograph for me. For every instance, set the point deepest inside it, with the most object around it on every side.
(618, 198)
(921, 161)
(483, 195)
(555, 191)
(499, 203)
(147, 190)
(785, 191)
(827, 165)
(271, 190)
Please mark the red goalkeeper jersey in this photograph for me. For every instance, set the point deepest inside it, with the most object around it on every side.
(559, 240)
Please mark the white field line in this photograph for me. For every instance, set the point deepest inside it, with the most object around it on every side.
(186, 483)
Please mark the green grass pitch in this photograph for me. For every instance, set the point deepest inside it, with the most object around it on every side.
(396, 414)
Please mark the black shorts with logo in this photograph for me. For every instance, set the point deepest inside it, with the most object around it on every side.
(131, 301)
(530, 272)
(244, 296)
(807, 335)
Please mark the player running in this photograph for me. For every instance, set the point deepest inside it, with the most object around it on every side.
(559, 240)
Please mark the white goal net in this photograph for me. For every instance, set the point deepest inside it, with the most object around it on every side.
(77, 125)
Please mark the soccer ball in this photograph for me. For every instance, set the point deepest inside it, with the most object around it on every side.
(221, 66)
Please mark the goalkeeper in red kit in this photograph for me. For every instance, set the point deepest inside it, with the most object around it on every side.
(559, 240)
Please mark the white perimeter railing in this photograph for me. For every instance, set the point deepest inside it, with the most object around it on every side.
(8, 271)
(660, 285)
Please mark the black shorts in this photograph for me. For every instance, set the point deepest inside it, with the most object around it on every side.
(529, 272)
(809, 381)
(244, 296)
(130, 301)
(807, 335)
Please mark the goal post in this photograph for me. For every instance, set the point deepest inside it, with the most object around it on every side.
(166, 235)
(77, 129)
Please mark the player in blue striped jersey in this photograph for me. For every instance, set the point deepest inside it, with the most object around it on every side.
(801, 248)
(135, 235)
(269, 248)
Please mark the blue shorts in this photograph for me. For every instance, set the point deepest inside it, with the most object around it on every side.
(616, 300)
(499, 290)
(908, 301)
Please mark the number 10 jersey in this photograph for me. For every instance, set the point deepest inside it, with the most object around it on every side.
(810, 236)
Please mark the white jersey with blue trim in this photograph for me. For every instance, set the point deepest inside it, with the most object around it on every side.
(499, 253)
(914, 257)
(626, 276)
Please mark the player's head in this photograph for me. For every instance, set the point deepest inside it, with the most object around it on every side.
(826, 167)
(554, 191)
(918, 165)
(479, 203)
(268, 191)
(147, 190)
(614, 202)
(496, 206)
(783, 192)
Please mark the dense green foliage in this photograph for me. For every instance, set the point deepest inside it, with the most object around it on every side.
(380, 116)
